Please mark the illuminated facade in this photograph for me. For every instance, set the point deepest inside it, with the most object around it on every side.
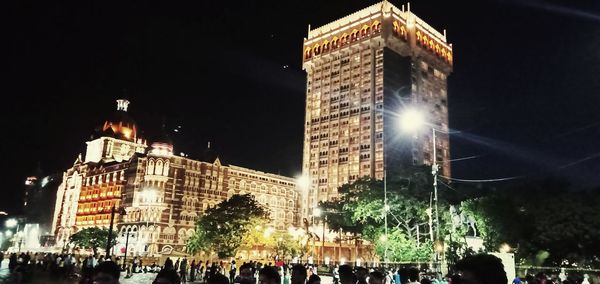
(161, 193)
(362, 70)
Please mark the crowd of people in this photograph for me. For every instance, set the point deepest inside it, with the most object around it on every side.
(69, 268)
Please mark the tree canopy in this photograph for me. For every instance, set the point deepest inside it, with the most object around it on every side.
(225, 227)
(92, 238)
(545, 222)
(359, 210)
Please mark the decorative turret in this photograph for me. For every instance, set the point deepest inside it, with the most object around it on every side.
(122, 104)
(120, 125)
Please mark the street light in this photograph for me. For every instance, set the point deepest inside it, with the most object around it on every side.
(113, 210)
(127, 231)
(505, 248)
(11, 223)
(411, 120)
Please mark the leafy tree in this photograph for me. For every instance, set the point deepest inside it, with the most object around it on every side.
(93, 238)
(224, 227)
(284, 245)
(403, 249)
(360, 210)
(546, 222)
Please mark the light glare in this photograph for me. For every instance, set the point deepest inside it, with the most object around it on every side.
(411, 120)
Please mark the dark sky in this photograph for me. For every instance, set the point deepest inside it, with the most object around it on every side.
(525, 89)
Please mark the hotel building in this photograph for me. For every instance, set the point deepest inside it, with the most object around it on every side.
(363, 71)
(160, 193)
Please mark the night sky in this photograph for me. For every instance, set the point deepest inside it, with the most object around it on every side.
(525, 90)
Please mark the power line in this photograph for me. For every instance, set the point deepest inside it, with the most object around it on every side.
(483, 180)
(561, 167)
(462, 159)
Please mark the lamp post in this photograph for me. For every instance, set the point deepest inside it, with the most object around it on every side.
(113, 210)
(317, 213)
(127, 232)
(412, 120)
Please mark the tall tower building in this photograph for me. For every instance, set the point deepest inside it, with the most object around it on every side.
(364, 71)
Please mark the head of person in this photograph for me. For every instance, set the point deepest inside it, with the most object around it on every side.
(269, 275)
(481, 269)
(218, 279)
(106, 272)
(246, 276)
(346, 274)
(298, 274)
(376, 277)
(167, 276)
(314, 279)
(361, 274)
(413, 274)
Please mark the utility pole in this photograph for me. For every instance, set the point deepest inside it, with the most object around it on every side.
(110, 229)
(434, 171)
(385, 209)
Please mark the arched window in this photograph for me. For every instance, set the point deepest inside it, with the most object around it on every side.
(166, 169)
(325, 46)
(159, 167)
(364, 31)
(150, 170)
(307, 53)
(316, 49)
(334, 42)
(376, 26)
(344, 38)
(354, 35)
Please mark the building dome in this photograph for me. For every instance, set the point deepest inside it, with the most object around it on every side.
(120, 125)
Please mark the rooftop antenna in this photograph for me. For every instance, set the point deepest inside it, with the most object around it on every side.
(408, 6)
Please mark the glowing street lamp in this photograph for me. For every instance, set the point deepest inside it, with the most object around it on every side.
(411, 120)
(8, 233)
(317, 212)
(303, 182)
(505, 248)
(11, 223)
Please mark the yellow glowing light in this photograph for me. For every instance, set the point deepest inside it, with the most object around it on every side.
(505, 248)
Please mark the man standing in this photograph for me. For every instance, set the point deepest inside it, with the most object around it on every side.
(183, 270)
(336, 275)
(232, 271)
(168, 264)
